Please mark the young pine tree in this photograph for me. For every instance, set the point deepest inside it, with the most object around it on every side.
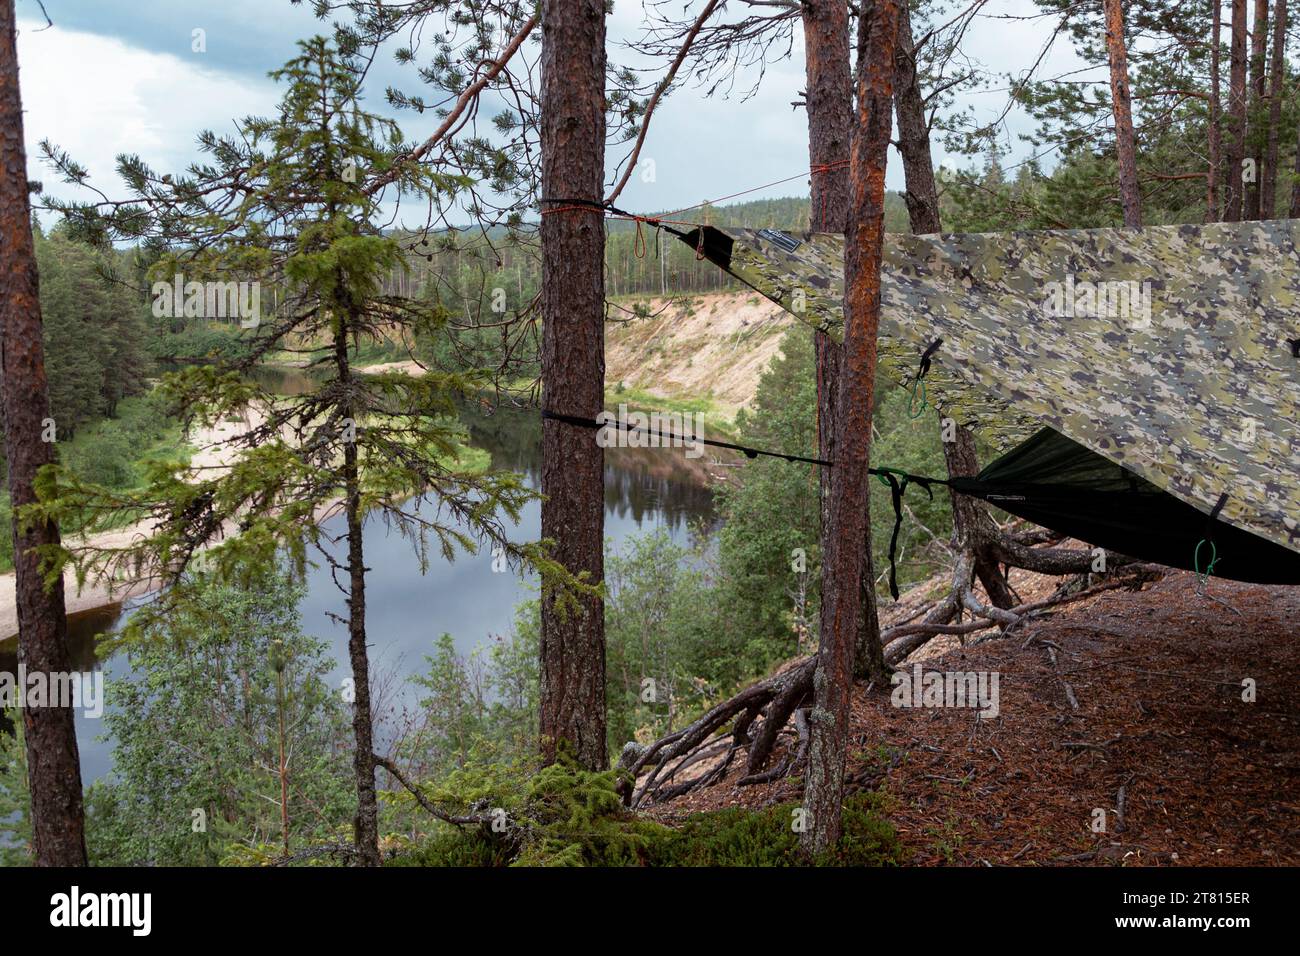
(296, 203)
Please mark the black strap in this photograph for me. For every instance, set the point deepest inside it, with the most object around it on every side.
(925, 357)
(609, 207)
(898, 482)
(1214, 515)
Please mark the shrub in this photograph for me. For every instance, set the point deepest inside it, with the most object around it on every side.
(568, 816)
(739, 837)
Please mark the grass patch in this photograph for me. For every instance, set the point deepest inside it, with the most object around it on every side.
(469, 461)
(636, 399)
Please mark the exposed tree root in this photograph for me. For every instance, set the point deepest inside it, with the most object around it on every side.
(758, 715)
(679, 747)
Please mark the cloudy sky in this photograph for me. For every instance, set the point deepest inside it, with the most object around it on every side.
(120, 76)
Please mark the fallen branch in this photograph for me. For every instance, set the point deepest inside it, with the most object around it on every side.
(1069, 695)
(769, 704)
(425, 802)
(1121, 802)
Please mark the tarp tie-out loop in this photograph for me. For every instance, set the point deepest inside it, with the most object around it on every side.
(1202, 577)
(918, 383)
(898, 482)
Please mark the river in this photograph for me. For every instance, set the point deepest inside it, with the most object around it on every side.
(407, 611)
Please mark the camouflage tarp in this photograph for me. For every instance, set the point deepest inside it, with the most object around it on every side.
(1165, 349)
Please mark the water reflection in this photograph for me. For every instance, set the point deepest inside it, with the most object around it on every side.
(407, 611)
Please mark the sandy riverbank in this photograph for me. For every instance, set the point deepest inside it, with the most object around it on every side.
(212, 450)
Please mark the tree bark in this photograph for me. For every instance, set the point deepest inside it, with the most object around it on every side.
(1214, 132)
(1295, 189)
(366, 823)
(53, 763)
(973, 527)
(572, 658)
(830, 116)
(824, 791)
(1130, 196)
(1258, 52)
(921, 193)
(830, 110)
(1277, 86)
(1237, 114)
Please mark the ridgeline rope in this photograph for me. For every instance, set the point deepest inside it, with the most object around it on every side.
(748, 452)
(896, 479)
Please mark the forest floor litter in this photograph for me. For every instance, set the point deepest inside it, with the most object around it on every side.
(1126, 710)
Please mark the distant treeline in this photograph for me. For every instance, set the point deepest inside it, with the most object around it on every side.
(96, 328)
(103, 341)
(465, 270)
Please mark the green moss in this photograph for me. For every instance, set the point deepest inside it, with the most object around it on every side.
(579, 820)
(453, 848)
(574, 817)
(739, 837)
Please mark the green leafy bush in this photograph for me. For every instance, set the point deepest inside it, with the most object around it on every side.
(212, 700)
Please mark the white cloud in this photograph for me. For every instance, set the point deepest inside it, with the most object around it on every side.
(96, 97)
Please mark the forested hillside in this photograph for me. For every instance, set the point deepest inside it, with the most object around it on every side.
(385, 487)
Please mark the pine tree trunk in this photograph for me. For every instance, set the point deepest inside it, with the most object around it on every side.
(1236, 114)
(53, 764)
(1214, 133)
(366, 824)
(1130, 196)
(921, 193)
(1258, 52)
(971, 522)
(850, 483)
(1277, 87)
(573, 373)
(1295, 188)
(830, 118)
